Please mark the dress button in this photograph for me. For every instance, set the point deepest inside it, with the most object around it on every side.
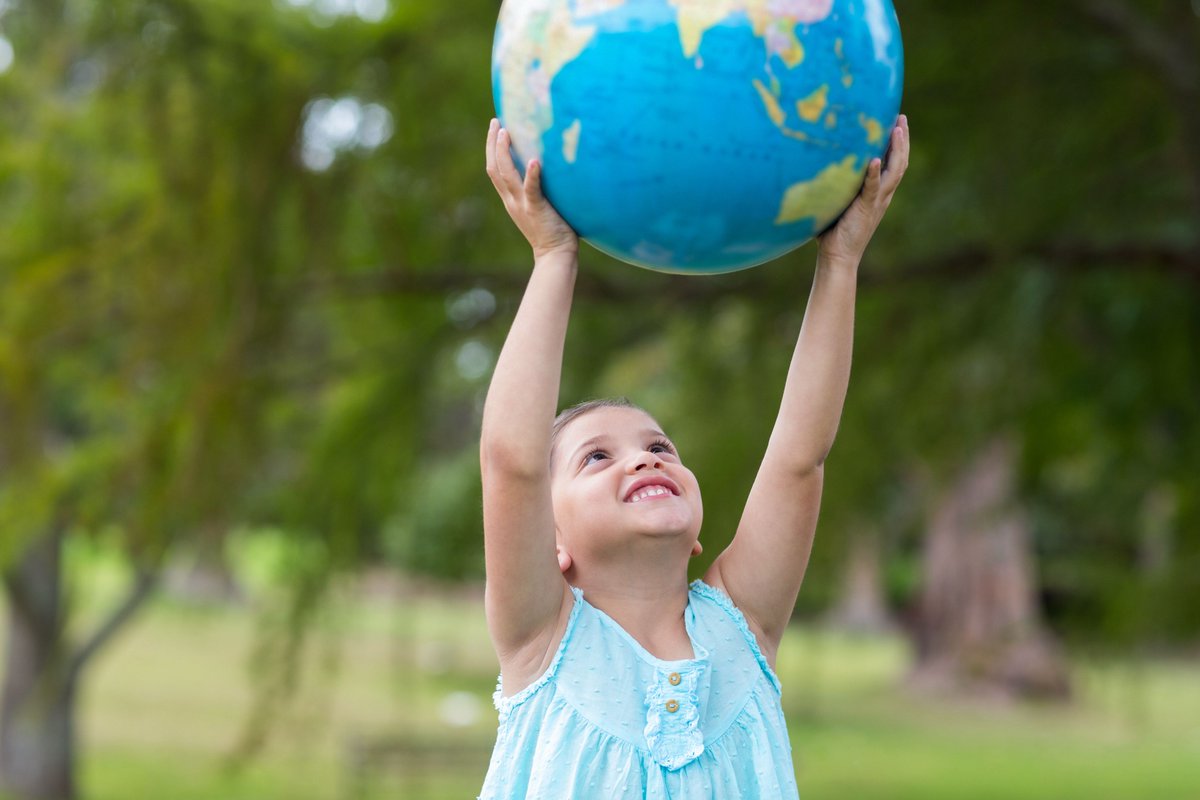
(672, 706)
(674, 678)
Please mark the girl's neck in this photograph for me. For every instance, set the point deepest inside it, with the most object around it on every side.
(649, 609)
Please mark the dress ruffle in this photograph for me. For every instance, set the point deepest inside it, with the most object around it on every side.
(673, 717)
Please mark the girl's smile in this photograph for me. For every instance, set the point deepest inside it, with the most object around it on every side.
(651, 487)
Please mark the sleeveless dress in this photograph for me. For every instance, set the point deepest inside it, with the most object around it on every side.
(608, 720)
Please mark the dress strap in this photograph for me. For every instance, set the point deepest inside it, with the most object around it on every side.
(726, 604)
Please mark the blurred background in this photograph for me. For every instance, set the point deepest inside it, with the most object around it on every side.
(253, 280)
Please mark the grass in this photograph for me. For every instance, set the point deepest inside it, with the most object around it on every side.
(164, 706)
(1131, 733)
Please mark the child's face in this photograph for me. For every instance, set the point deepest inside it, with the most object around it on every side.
(616, 475)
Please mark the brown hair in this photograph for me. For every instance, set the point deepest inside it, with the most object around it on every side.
(569, 415)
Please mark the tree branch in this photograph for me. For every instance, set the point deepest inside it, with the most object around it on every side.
(34, 598)
(18, 596)
(143, 583)
(974, 261)
(1151, 42)
(1171, 47)
(966, 263)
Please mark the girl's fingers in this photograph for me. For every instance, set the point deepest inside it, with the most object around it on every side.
(493, 162)
(871, 186)
(504, 162)
(533, 181)
(490, 155)
(898, 152)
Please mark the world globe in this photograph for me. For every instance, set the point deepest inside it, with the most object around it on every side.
(698, 136)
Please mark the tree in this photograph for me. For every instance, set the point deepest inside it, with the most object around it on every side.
(157, 232)
(980, 623)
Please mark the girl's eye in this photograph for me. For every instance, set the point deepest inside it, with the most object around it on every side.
(595, 454)
(662, 446)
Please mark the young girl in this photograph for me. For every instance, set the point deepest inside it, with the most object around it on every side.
(617, 678)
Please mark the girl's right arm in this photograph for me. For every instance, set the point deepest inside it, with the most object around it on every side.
(526, 593)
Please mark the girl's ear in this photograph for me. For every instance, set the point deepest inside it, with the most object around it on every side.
(697, 549)
(564, 558)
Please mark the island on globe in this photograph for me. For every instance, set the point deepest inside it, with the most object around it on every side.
(698, 136)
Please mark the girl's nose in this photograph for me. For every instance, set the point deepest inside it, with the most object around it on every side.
(645, 459)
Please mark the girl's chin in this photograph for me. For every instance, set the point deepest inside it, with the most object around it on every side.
(667, 531)
(664, 521)
(664, 532)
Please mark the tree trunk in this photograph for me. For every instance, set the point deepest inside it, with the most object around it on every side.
(861, 606)
(979, 626)
(207, 579)
(42, 669)
(37, 708)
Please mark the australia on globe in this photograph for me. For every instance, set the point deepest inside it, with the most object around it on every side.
(698, 136)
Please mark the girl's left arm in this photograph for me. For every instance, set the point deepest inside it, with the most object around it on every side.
(762, 568)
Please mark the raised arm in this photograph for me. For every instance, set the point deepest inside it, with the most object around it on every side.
(762, 568)
(525, 588)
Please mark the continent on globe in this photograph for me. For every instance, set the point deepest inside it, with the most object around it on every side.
(698, 136)
(817, 198)
(571, 141)
(773, 22)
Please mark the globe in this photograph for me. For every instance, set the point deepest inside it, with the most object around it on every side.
(698, 136)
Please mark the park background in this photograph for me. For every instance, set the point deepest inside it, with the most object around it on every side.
(253, 279)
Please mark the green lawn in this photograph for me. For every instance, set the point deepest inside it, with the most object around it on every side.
(164, 706)
(1131, 733)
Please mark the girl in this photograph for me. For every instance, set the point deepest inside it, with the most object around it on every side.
(618, 679)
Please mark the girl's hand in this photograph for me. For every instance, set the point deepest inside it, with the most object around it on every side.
(847, 240)
(545, 230)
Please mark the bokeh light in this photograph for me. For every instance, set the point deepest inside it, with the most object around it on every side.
(474, 360)
(6, 55)
(326, 10)
(332, 126)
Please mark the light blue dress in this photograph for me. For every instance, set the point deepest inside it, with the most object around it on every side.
(608, 720)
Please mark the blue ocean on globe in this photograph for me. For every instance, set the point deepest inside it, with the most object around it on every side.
(698, 136)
